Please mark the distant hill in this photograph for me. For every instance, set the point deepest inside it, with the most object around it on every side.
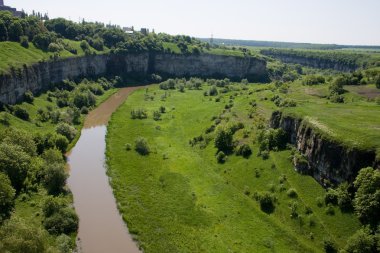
(275, 44)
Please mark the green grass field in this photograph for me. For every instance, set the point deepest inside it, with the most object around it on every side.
(179, 199)
(13, 55)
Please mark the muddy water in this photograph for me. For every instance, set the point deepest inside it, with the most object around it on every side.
(101, 228)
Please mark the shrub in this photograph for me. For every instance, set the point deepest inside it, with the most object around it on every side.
(362, 241)
(139, 114)
(84, 45)
(292, 193)
(331, 197)
(221, 157)
(313, 80)
(21, 113)
(141, 146)
(64, 221)
(224, 139)
(267, 202)
(156, 115)
(367, 196)
(344, 198)
(84, 98)
(162, 109)
(7, 194)
(329, 246)
(128, 147)
(213, 91)
(55, 48)
(60, 142)
(66, 130)
(244, 150)
(64, 244)
(54, 178)
(84, 110)
(24, 42)
(330, 209)
(377, 81)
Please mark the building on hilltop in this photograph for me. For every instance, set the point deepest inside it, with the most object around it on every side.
(14, 11)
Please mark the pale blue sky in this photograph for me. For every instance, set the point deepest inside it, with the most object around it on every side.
(319, 21)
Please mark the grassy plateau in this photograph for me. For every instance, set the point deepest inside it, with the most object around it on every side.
(179, 199)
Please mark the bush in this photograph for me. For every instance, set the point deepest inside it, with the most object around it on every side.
(16, 236)
(362, 241)
(66, 130)
(267, 202)
(156, 115)
(141, 146)
(54, 178)
(292, 193)
(313, 80)
(139, 114)
(367, 197)
(7, 194)
(24, 42)
(55, 48)
(244, 150)
(377, 81)
(330, 210)
(344, 198)
(84, 45)
(213, 91)
(20, 113)
(331, 197)
(128, 147)
(84, 98)
(329, 246)
(64, 221)
(221, 157)
(28, 97)
(224, 139)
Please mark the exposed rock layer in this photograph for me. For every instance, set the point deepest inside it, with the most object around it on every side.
(41, 76)
(327, 159)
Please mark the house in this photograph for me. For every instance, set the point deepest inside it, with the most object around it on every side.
(14, 11)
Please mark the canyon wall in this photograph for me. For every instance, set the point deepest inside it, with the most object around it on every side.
(43, 75)
(327, 159)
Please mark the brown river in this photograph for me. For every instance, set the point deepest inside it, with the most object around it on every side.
(101, 228)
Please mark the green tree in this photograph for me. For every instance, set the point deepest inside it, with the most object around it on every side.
(15, 163)
(54, 178)
(361, 242)
(15, 31)
(224, 139)
(367, 197)
(377, 81)
(66, 130)
(17, 237)
(3, 32)
(7, 194)
(141, 146)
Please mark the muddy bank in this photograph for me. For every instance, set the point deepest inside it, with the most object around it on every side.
(101, 228)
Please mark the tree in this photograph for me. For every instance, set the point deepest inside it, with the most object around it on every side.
(15, 31)
(3, 32)
(377, 81)
(15, 163)
(221, 157)
(66, 130)
(18, 237)
(362, 241)
(367, 197)
(54, 178)
(224, 139)
(7, 194)
(337, 86)
(141, 146)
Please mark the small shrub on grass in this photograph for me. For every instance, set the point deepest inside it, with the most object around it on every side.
(162, 109)
(331, 197)
(244, 151)
(55, 178)
(292, 193)
(128, 147)
(66, 130)
(28, 97)
(221, 157)
(265, 155)
(64, 221)
(156, 115)
(84, 110)
(139, 113)
(294, 210)
(21, 113)
(141, 146)
(24, 42)
(267, 202)
(213, 91)
(329, 246)
(319, 202)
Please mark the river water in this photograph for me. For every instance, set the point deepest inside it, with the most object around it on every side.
(101, 228)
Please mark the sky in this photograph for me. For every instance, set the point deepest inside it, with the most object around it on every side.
(352, 22)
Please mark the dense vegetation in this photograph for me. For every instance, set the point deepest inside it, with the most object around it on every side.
(36, 207)
(210, 161)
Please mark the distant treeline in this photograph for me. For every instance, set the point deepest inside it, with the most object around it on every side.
(275, 44)
(47, 34)
(319, 59)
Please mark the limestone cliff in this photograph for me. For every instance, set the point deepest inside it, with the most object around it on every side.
(42, 75)
(327, 159)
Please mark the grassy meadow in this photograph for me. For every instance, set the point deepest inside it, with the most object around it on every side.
(179, 199)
